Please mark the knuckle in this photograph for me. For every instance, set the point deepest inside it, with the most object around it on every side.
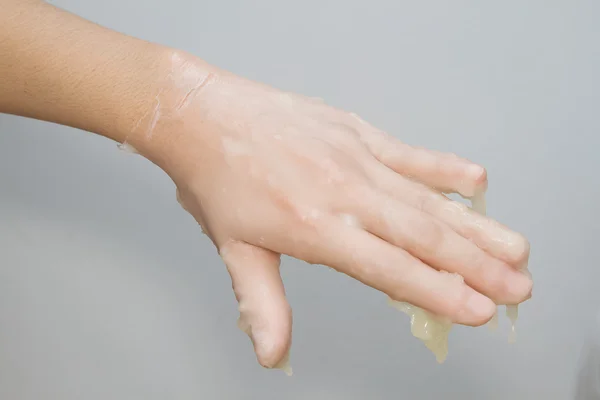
(458, 309)
(423, 202)
(295, 213)
(420, 202)
(501, 288)
(427, 235)
(379, 143)
(478, 262)
(440, 165)
(484, 318)
(495, 282)
(455, 305)
(465, 314)
(357, 189)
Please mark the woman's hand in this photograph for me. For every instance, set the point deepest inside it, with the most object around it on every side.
(265, 172)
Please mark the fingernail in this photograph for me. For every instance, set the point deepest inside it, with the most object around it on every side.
(475, 172)
(521, 285)
(480, 307)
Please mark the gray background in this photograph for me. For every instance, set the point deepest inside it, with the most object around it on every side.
(108, 290)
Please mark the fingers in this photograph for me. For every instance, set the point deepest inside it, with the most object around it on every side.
(442, 171)
(264, 311)
(392, 270)
(489, 235)
(436, 244)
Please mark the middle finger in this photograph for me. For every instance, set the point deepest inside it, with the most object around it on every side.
(436, 244)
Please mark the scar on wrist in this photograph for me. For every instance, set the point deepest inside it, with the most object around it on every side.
(184, 82)
(191, 93)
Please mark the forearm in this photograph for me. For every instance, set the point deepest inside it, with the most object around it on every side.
(61, 68)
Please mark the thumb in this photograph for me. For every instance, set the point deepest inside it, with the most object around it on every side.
(265, 315)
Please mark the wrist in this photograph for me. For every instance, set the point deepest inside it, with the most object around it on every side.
(171, 111)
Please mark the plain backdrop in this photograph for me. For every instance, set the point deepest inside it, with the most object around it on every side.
(108, 290)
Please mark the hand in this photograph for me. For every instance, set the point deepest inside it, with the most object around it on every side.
(265, 172)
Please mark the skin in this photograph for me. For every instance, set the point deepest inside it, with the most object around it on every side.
(266, 172)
